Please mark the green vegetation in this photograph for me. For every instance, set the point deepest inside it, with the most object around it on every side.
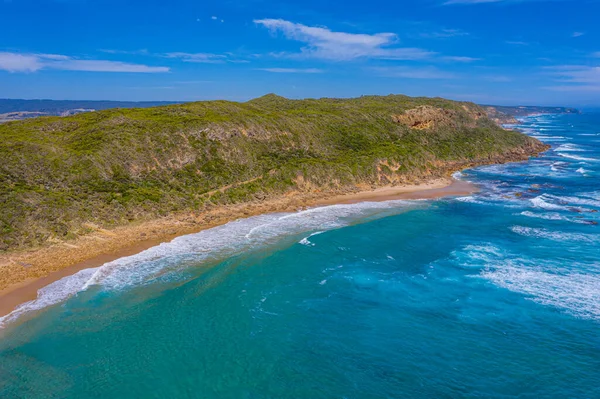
(115, 166)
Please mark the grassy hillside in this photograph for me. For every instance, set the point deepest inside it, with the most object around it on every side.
(115, 166)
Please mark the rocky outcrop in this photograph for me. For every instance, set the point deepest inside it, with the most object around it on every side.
(426, 117)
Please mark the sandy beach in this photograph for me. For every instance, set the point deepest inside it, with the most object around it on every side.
(24, 273)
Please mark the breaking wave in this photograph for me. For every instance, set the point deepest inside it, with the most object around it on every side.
(554, 235)
(541, 280)
(208, 246)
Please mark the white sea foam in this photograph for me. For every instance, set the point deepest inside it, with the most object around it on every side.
(208, 246)
(551, 138)
(457, 175)
(582, 171)
(554, 235)
(574, 200)
(570, 148)
(542, 202)
(56, 292)
(558, 166)
(562, 285)
(551, 216)
(578, 158)
(469, 199)
(308, 243)
(579, 294)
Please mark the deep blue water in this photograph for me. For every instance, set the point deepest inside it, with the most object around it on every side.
(495, 295)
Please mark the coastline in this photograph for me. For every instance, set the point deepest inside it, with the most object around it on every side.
(26, 272)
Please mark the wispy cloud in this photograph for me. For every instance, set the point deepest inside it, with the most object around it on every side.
(577, 34)
(517, 43)
(323, 43)
(575, 78)
(414, 73)
(204, 58)
(460, 59)
(127, 52)
(576, 73)
(291, 70)
(444, 34)
(17, 62)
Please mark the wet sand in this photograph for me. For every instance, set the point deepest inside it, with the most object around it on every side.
(37, 269)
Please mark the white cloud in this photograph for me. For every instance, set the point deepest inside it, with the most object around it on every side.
(291, 70)
(444, 33)
(13, 62)
(104, 66)
(214, 18)
(460, 59)
(324, 43)
(575, 78)
(16, 62)
(203, 58)
(127, 52)
(576, 73)
(577, 34)
(415, 73)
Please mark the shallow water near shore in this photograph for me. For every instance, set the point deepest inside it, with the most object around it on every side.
(492, 295)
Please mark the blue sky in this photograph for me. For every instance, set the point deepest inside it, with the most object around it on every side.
(487, 51)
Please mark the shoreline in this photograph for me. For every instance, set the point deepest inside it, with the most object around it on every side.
(35, 269)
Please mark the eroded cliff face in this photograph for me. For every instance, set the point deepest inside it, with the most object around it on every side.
(427, 117)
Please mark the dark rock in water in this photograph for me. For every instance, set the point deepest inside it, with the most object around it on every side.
(590, 222)
(576, 210)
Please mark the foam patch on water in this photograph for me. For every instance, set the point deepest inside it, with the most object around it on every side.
(578, 158)
(552, 216)
(570, 148)
(582, 171)
(543, 281)
(56, 292)
(550, 138)
(457, 175)
(554, 235)
(543, 202)
(208, 246)
(469, 199)
(574, 200)
(579, 294)
(305, 240)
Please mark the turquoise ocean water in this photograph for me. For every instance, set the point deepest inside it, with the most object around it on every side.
(494, 295)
